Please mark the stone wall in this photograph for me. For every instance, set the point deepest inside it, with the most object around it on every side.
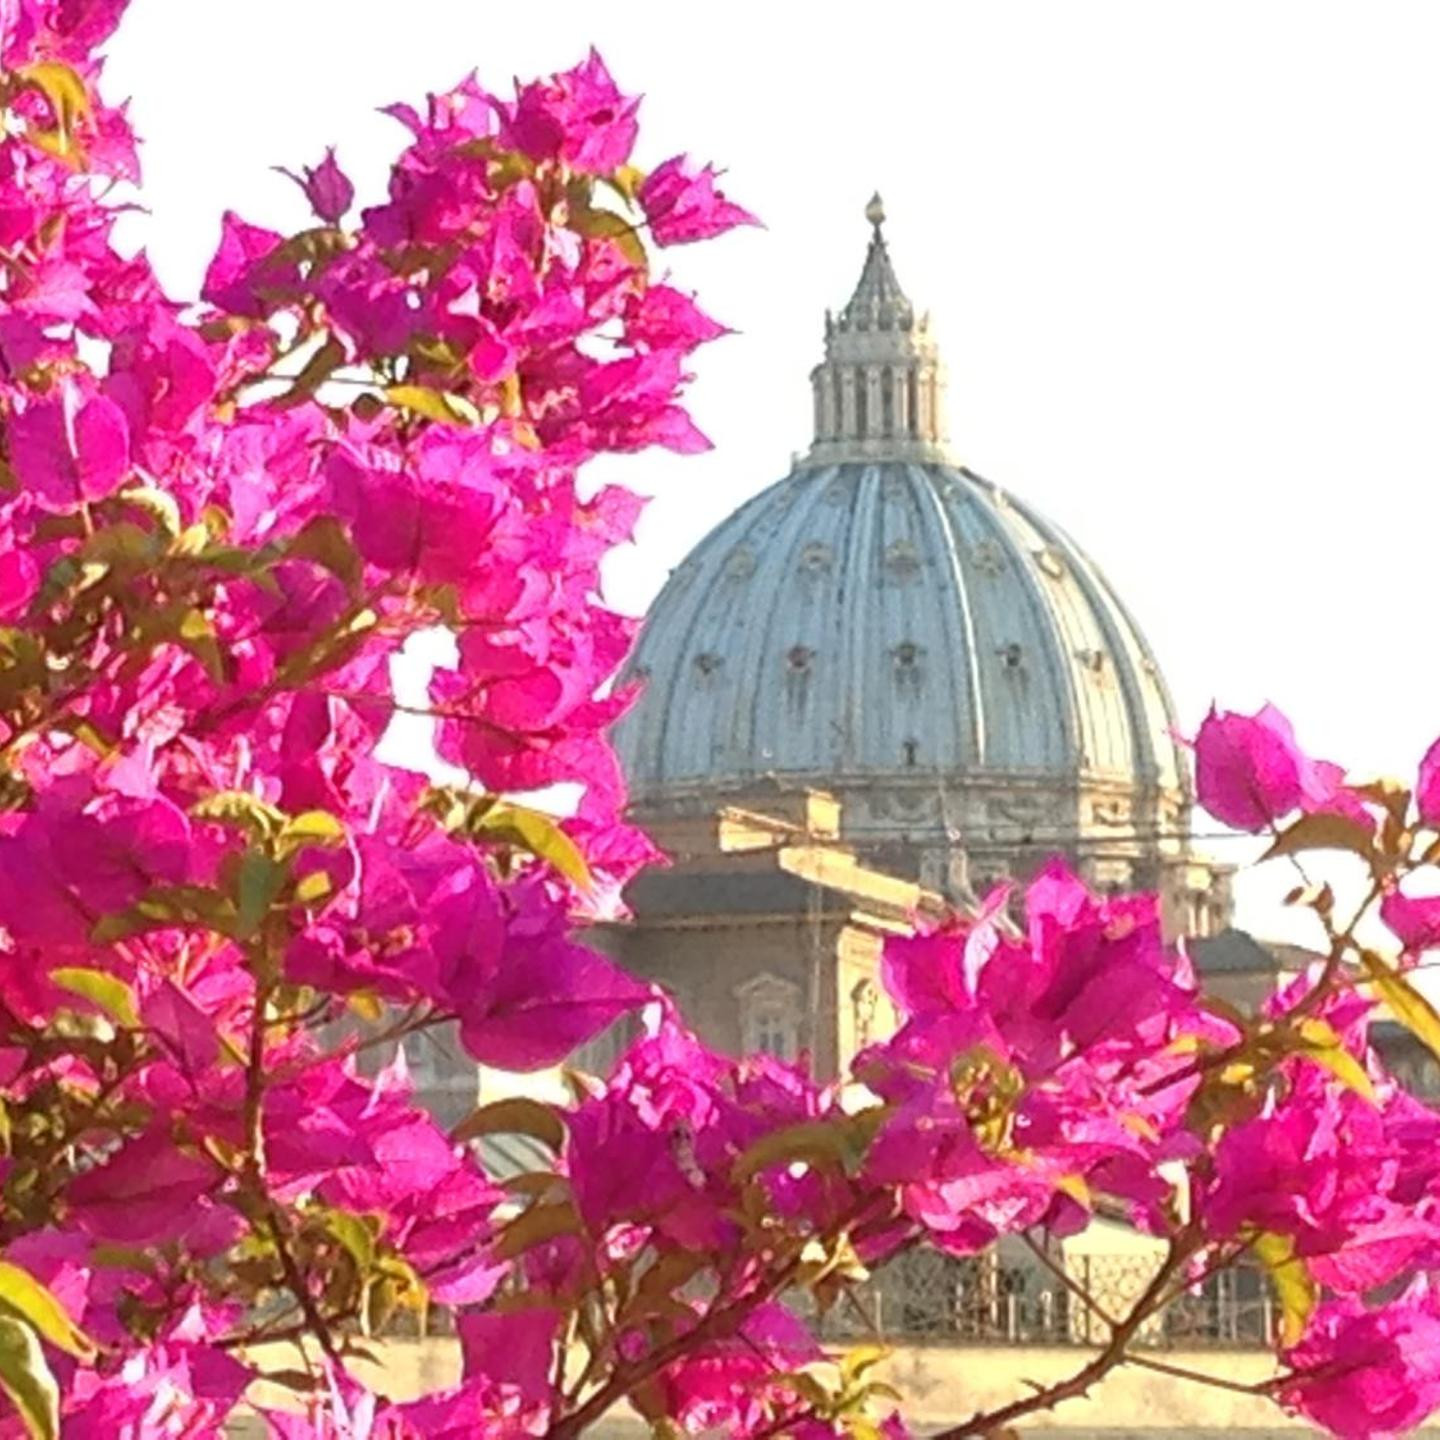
(947, 1384)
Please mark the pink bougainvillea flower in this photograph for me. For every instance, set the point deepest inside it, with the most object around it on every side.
(235, 273)
(682, 203)
(146, 1190)
(1367, 1374)
(1427, 788)
(1414, 921)
(326, 187)
(1251, 773)
(70, 448)
(579, 116)
(19, 582)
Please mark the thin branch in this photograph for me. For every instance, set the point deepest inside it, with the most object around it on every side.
(1069, 1282)
(1239, 1387)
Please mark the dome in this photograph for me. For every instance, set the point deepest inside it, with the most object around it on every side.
(878, 618)
(885, 624)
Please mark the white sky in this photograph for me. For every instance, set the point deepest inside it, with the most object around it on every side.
(1184, 260)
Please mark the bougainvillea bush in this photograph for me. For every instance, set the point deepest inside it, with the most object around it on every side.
(220, 520)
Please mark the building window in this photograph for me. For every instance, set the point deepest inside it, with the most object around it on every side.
(770, 1016)
(864, 1008)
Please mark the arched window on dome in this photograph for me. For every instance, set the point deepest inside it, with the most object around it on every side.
(770, 1017)
(887, 402)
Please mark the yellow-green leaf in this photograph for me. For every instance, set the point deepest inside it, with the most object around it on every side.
(327, 542)
(321, 365)
(1323, 832)
(1404, 1002)
(518, 1115)
(312, 887)
(1295, 1288)
(433, 404)
(68, 97)
(856, 1361)
(354, 1235)
(367, 1005)
(1077, 1189)
(26, 1379)
(240, 808)
(314, 827)
(822, 1144)
(108, 992)
(537, 832)
(197, 635)
(607, 225)
(626, 181)
(32, 1302)
(1319, 1042)
(159, 504)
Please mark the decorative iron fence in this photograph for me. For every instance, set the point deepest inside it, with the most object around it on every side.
(925, 1295)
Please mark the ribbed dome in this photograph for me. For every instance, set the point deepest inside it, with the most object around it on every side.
(888, 626)
(869, 619)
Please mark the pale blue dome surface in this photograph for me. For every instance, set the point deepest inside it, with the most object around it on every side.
(870, 619)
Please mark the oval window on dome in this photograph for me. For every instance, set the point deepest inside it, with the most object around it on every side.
(740, 565)
(902, 559)
(817, 558)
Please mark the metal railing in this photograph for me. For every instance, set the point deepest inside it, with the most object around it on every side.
(928, 1296)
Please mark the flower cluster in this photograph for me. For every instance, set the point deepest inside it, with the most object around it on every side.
(221, 910)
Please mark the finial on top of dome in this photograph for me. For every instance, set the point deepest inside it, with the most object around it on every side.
(875, 210)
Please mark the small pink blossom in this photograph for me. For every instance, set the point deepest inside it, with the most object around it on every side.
(1427, 788)
(326, 187)
(682, 203)
(70, 448)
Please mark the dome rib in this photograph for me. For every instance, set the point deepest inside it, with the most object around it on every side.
(966, 686)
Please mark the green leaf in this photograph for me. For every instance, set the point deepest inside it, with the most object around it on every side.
(167, 906)
(821, 1144)
(537, 832)
(1295, 1288)
(1316, 1040)
(327, 542)
(626, 182)
(261, 879)
(537, 1225)
(123, 546)
(26, 1379)
(607, 225)
(354, 1235)
(108, 992)
(1404, 1002)
(518, 1115)
(438, 405)
(32, 1302)
(1323, 832)
(321, 365)
(197, 635)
